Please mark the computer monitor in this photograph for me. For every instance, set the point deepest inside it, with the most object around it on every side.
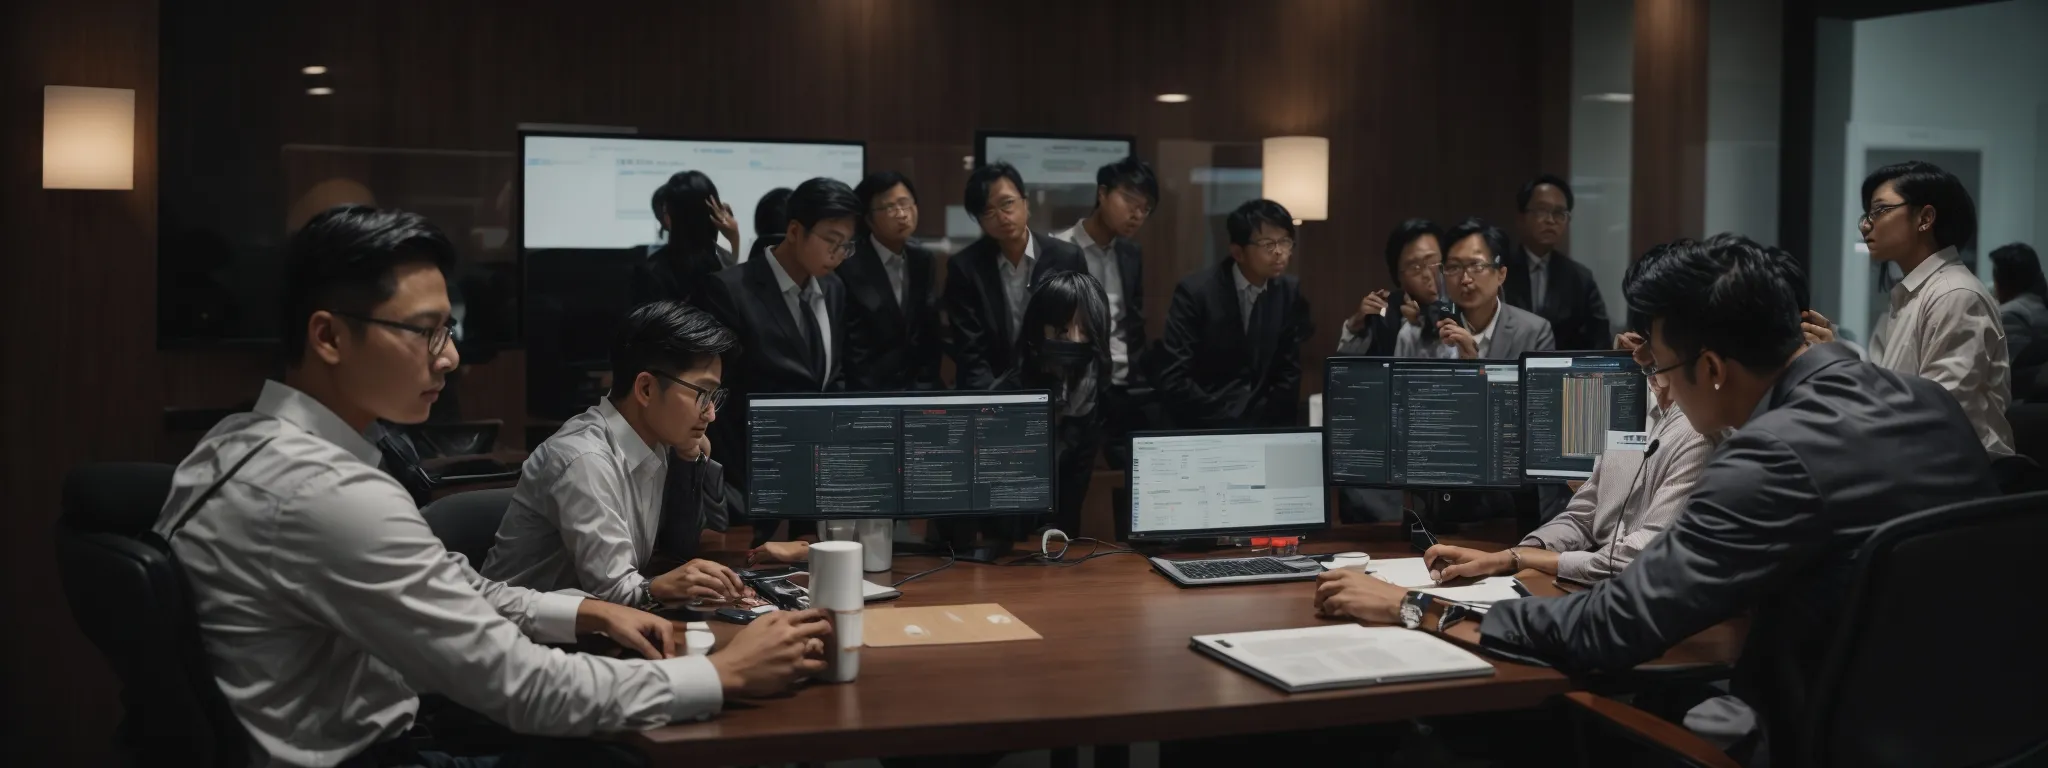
(595, 191)
(1400, 423)
(1576, 406)
(908, 455)
(1226, 482)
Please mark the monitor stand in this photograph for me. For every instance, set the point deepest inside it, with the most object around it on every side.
(972, 540)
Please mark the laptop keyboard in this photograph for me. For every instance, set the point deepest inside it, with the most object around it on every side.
(1204, 570)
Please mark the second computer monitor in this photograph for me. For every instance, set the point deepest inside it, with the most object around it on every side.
(1423, 423)
(1579, 405)
(1209, 483)
(927, 454)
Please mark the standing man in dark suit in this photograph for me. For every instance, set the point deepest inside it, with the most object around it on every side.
(1231, 355)
(1126, 191)
(892, 315)
(989, 282)
(789, 311)
(1545, 281)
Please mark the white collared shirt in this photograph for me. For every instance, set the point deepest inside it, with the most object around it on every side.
(1943, 325)
(1102, 265)
(1409, 343)
(796, 297)
(1247, 296)
(585, 511)
(1017, 283)
(898, 268)
(1628, 502)
(326, 604)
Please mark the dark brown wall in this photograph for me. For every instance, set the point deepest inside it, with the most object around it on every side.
(1433, 108)
(1669, 149)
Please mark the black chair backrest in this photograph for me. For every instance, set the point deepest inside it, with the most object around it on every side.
(2029, 429)
(134, 604)
(1938, 660)
(467, 522)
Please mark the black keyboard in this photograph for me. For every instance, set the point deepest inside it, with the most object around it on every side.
(1237, 570)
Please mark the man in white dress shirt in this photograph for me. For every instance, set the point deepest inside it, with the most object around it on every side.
(1941, 322)
(590, 499)
(325, 603)
(1126, 191)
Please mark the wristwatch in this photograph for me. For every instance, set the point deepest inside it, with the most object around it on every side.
(1421, 610)
(645, 596)
(1414, 607)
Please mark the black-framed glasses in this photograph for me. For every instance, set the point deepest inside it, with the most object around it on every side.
(1553, 215)
(707, 399)
(437, 336)
(1871, 215)
(1655, 371)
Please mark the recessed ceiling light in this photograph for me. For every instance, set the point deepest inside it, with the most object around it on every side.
(320, 91)
(1171, 98)
(1611, 98)
(313, 70)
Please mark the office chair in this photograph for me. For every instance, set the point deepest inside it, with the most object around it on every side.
(1923, 670)
(426, 472)
(467, 522)
(2029, 422)
(133, 602)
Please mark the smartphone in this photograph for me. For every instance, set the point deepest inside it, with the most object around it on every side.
(1435, 311)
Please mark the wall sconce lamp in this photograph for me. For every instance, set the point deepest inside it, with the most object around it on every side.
(88, 138)
(1296, 174)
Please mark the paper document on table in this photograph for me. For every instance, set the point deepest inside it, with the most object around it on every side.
(1341, 656)
(1491, 589)
(1402, 572)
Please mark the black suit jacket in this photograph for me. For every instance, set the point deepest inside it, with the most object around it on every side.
(773, 356)
(1212, 373)
(1571, 299)
(891, 346)
(1772, 530)
(983, 344)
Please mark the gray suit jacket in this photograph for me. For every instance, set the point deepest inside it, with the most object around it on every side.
(1515, 331)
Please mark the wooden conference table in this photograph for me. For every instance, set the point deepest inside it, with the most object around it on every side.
(1114, 667)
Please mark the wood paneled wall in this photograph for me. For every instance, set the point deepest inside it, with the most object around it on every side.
(1435, 109)
(1668, 155)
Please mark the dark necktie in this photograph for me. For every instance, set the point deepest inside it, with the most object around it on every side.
(813, 337)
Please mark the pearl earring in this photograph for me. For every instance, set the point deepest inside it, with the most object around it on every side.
(1717, 387)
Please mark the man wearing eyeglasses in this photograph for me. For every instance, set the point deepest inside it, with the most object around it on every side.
(789, 311)
(892, 317)
(590, 499)
(1547, 282)
(1231, 354)
(324, 602)
(989, 282)
(1486, 328)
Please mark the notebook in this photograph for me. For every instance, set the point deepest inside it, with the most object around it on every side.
(1341, 656)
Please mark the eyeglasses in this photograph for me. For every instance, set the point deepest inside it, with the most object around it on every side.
(1006, 207)
(437, 336)
(1135, 200)
(844, 249)
(1555, 215)
(1472, 269)
(1871, 216)
(1421, 267)
(715, 399)
(898, 208)
(1655, 371)
(1281, 246)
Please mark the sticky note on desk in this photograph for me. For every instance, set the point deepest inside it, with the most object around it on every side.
(942, 625)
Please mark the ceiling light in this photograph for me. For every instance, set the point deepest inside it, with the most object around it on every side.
(313, 70)
(320, 91)
(1611, 98)
(1171, 98)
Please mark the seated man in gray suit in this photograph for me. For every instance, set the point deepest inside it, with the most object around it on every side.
(1486, 328)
